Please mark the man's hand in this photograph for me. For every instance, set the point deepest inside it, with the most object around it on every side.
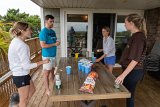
(57, 43)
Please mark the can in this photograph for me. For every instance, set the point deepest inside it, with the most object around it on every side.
(58, 84)
(116, 85)
(87, 54)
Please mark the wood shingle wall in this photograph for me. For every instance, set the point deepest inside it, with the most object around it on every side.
(153, 26)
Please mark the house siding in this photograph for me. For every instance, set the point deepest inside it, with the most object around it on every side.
(153, 26)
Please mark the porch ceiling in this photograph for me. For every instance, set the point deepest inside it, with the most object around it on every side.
(99, 4)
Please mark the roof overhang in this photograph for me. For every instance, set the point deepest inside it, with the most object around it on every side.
(99, 4)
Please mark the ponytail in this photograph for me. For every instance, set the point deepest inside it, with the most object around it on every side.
(17, 28)
(143, 26)
(138, 21)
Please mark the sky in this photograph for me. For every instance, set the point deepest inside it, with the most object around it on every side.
(78, 26)
(26, 6)
(121, 27)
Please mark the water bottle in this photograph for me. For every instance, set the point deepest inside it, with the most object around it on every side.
(92, 54)
(58, 81)
(58, 84)
(57, 76)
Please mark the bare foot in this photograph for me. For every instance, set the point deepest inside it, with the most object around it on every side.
(48, 92)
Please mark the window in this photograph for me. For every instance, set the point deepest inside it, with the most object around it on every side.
(77, 29)
(122, 36)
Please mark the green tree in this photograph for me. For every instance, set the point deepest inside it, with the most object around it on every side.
(11, 15)
(4, 41)
(1, 17)
(121, 40)
(34, 22)
(14, 15)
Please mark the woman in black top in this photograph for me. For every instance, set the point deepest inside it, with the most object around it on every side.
(133, 55)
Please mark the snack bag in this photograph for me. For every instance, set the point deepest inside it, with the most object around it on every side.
(89, 83)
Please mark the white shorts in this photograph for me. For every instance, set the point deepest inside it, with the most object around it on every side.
(51, 64)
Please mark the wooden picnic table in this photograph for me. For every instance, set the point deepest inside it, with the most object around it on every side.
(71, 83)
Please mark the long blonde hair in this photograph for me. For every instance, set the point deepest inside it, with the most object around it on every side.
(17, 28)
(138, 21)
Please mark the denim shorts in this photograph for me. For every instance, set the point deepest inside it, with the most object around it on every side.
(21, 81)
(110, 60)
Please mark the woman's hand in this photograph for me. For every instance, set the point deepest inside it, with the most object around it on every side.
(119, 79)
(43, 62)
(97, 60)
(99, 50)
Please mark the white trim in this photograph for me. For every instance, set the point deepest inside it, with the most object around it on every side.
(118, 11)
(90, 33)
(65, 32)
(62, 28)
(42, 17)
(115, 29)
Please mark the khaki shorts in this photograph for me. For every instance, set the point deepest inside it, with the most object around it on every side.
(50, 65)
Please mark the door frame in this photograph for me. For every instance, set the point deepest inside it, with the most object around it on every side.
(63, 18)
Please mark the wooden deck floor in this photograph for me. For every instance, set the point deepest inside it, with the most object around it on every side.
(147, 95)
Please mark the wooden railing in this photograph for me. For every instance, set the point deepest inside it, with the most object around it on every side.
(6, 84)
(3, 63)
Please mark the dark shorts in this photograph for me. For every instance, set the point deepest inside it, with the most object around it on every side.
(21, 81)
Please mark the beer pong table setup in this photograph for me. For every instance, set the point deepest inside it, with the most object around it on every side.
(72, 78)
